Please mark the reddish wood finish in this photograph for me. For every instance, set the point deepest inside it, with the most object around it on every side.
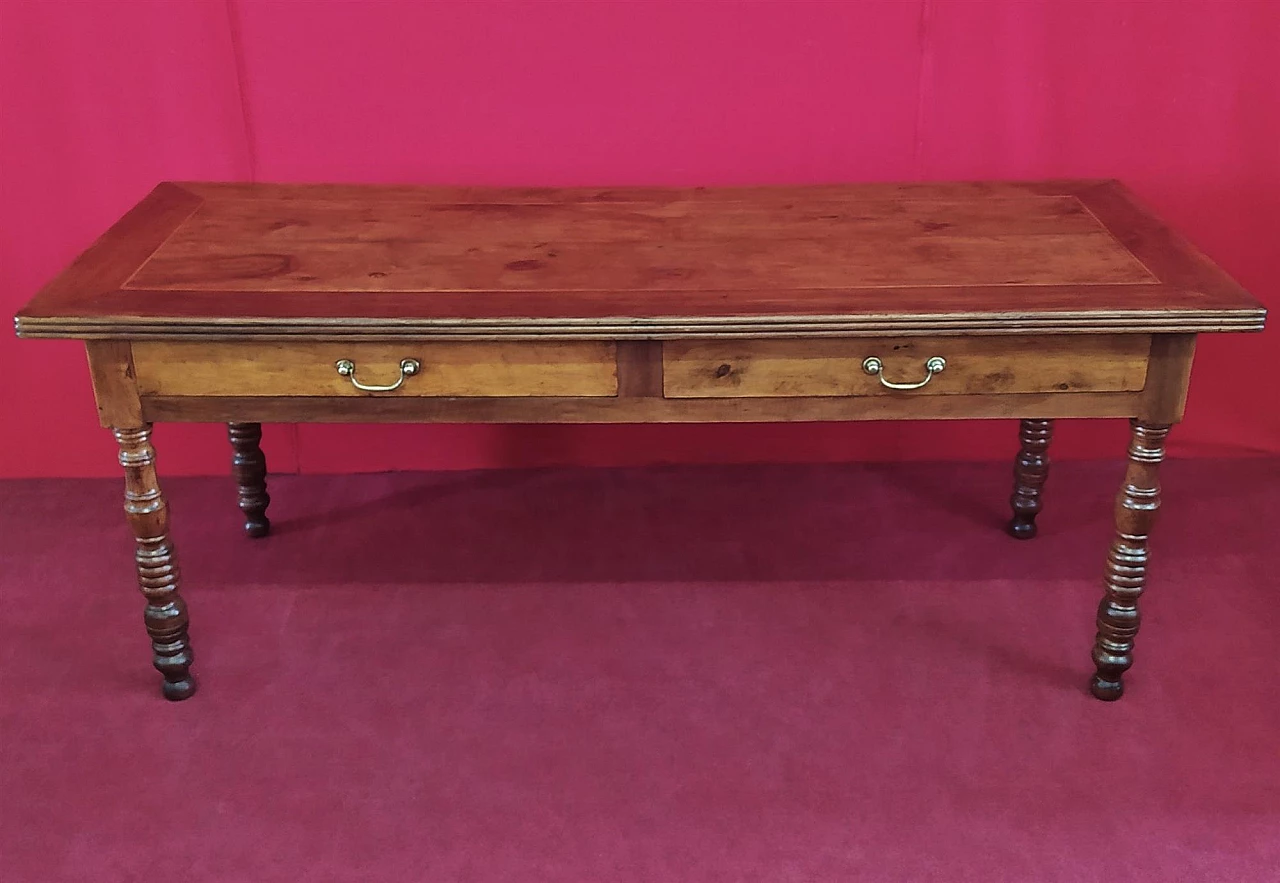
(1030, 471)
(986, 365)
(249, 465)
(639, 369)
(633, 409)
(115, 383)
(236, 303)
(1126, 576)
(247, 260)
(165, 614)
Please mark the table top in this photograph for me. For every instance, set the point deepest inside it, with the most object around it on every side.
(225, 260)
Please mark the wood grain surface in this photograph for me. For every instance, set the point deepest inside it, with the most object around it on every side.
(115, 386)
(527, 409)
(975, 365)
(220, 261)
(566, 368)
(318, 244)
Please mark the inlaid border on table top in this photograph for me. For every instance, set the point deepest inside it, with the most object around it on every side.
(89, 300)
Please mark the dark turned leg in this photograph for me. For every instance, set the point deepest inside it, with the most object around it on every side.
(166, 613)
(1126, 575)
(1030, 470)
(250, 468)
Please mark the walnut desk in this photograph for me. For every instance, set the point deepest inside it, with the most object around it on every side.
(244, 303)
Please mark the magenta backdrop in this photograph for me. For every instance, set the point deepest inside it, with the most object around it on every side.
(100, 100)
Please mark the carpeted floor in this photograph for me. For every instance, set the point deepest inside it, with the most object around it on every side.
(774, 673)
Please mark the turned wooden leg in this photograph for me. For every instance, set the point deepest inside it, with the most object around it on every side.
(166, 613)
(1030, 470)
(249, 465)
(1126, 575)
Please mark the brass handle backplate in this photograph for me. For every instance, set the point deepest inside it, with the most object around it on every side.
(408, 368)
(933, 366)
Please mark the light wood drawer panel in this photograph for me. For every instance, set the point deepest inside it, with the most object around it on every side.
(308, 369)
(975, 365)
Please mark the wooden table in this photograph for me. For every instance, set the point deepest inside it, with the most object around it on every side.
(246, 303)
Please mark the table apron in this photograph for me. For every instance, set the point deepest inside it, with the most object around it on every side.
(261, 409)
(653, 382)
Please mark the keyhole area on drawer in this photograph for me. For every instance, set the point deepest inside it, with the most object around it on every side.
(724, 370)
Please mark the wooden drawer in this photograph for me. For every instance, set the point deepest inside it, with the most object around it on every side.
(165, 368)
(974, 365)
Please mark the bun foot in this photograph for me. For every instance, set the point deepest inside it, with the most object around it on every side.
(1020, 529)
(1107, 691)
(176, 691)
(257, 527)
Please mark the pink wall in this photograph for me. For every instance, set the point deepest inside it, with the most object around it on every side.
(102, 99)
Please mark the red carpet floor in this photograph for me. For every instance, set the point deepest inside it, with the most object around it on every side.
(775, 673)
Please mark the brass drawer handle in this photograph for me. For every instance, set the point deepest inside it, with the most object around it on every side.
(935, 365)
(408, 368)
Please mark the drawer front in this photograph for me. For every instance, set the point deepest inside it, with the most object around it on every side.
(165, 368)
(973, 366)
